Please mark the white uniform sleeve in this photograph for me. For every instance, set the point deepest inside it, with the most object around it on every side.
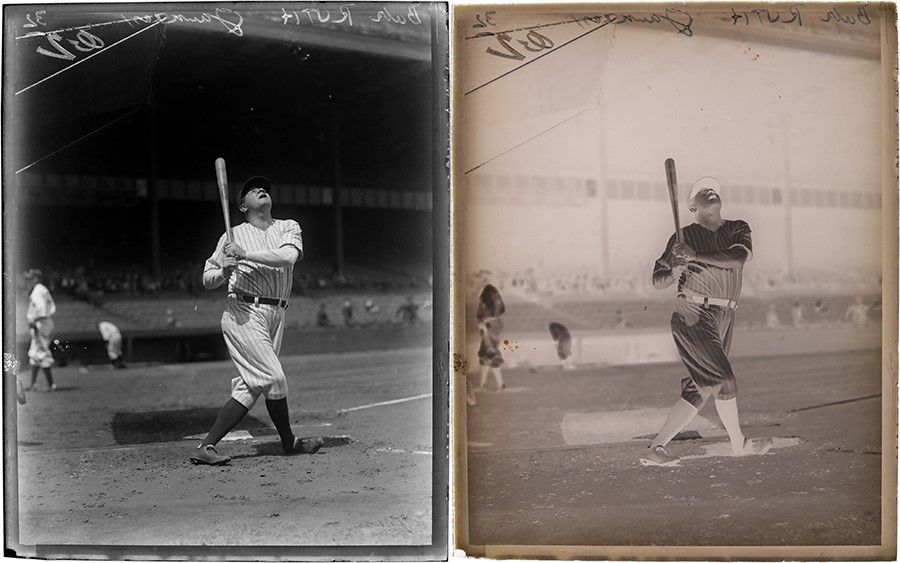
(213, 276)
(293, 236)
(290, 248)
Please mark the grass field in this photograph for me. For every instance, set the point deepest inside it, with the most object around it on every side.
(553, 458)
(104, 459)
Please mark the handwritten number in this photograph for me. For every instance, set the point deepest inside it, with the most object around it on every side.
(38, 20)
(487, 19)
(511, 53)
(61, 53)
(89, 40)
(539, 41)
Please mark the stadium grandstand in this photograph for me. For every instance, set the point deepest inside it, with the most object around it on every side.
(566, 201)
(113, 182)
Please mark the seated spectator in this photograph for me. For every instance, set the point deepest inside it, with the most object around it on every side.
(772, 320)
(322, 319)
(348, 314)
(408, 312)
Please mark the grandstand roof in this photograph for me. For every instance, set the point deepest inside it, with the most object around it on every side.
(255, 84)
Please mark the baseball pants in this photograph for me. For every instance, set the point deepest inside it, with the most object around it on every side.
(253, 335)
(703, 338)
(39, 354)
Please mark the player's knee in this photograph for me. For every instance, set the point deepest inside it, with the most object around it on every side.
(693, 396)
(728, 389)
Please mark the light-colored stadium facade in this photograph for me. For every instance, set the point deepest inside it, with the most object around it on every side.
(568, 224)
(565, 174)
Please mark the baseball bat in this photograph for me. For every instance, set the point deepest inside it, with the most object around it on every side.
(222, 179)
(673, 196)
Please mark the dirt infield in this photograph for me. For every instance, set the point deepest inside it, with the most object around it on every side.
(553, 459)
(104, 459)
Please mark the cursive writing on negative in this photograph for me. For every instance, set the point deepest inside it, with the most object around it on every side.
(678, 19)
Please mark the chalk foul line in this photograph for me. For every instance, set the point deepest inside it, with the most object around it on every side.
(383, 403)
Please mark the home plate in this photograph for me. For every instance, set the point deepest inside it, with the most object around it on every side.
(723, 449)
(581, 429)
(230, 437)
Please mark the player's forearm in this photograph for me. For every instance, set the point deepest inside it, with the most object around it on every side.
(663, 278)
(278, 258)
(728, 259)
(213, 278)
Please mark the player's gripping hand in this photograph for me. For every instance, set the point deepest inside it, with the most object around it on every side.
(234, 249)
(229, 263)
(678, 263)
(681, 249)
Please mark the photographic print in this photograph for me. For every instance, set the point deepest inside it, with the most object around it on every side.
(675, 262)
(225, 275)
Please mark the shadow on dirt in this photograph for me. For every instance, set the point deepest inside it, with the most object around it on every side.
(273, 448)
(170, 426)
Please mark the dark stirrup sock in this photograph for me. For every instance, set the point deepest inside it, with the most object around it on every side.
(49, 375)
(229, 417)
(35, 370)
(278, 410)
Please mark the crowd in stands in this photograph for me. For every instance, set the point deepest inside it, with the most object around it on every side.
(86, 283)
(532, 284)
(311, 280)
(92, 284)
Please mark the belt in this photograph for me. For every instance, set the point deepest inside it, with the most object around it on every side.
(707, 301)
(261, 300)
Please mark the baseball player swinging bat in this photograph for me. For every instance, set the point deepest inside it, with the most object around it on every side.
(222, 178)
(673, 196)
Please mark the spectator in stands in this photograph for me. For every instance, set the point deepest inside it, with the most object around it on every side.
(371, 307)
(322, 319)
(797, 315)
(857, 314)
(772, 320)
(821, 312)
(113, 338)
(41, 309)
(171, 321)
(620, 319)
(348, 314)
(408, 312)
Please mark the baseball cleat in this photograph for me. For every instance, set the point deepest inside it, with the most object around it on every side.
(757, 446)
(306, 445)
(209, 456)
(658, 456)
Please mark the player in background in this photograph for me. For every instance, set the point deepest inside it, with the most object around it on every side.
(41, 309)
(563, 339)
(490, 308)
(113, 338)
(708, 268)
(258, 267)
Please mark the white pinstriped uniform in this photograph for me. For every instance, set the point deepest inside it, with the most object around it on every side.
(253, 332)
(40, 308)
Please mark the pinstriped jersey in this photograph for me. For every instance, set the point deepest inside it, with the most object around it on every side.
(704, 279)
(260, 280)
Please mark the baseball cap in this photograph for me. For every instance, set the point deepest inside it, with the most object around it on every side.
(705, 183)
(33, 273)
(255, 182)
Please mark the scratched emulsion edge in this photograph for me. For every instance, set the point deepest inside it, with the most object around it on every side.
(8, 225)
(889, 224)
(459, 489)
(442, 373)
(887, 550)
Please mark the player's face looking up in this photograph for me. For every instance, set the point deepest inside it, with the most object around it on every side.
(257, 198)
(706, 199)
